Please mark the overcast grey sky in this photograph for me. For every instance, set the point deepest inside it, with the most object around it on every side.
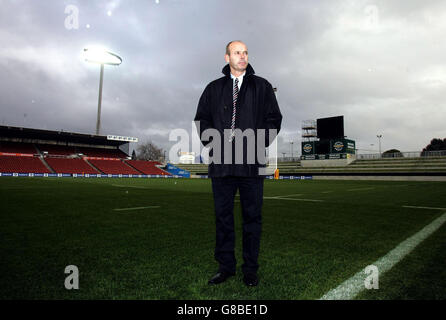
(379, 63)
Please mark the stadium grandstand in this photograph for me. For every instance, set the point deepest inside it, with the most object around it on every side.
(36, 151)
(415, 165)
(25, 151)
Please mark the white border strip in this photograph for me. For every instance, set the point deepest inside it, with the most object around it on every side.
(351, 287)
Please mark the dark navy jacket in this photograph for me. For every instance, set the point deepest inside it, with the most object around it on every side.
(257, 108)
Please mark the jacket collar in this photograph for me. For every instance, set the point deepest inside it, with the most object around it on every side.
(227, 71)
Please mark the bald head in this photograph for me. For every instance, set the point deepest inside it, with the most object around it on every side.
(237, 57)
(229, 45)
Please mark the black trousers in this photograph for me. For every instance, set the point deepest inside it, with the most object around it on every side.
(251, 198)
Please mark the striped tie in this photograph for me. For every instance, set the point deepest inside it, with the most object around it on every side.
(234, 110)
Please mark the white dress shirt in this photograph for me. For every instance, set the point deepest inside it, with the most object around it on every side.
(240, 80)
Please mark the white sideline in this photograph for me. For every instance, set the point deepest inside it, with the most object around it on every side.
(351, 287)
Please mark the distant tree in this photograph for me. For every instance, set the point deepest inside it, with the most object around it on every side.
(436, 144)
(134, 155)
(149, 151)
(392, 153)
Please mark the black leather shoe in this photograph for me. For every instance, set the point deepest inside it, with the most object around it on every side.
(250, 279)
(220, 277)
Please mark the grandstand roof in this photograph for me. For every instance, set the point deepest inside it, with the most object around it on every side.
(61, 136)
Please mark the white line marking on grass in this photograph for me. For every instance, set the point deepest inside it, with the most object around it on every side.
(272, 197)
(289, 195)
(309, 200)
(326, 191)
(351, 287)
(428, 208)
(360, 189)
(280, 198)
(136, 208)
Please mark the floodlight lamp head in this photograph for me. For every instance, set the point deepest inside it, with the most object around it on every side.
(101, 56)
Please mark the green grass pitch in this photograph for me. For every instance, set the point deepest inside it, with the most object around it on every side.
(165, 251)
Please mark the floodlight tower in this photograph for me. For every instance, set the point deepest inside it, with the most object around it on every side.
(103, 57)
(379, 136)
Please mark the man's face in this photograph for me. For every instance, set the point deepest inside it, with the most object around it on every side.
(238, 57)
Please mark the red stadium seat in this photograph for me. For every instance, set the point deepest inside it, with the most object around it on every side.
(16, 164)
(113, 167)
(63, 165)
(147, 167)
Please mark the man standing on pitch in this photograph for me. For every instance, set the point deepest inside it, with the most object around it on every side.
(238, 102)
